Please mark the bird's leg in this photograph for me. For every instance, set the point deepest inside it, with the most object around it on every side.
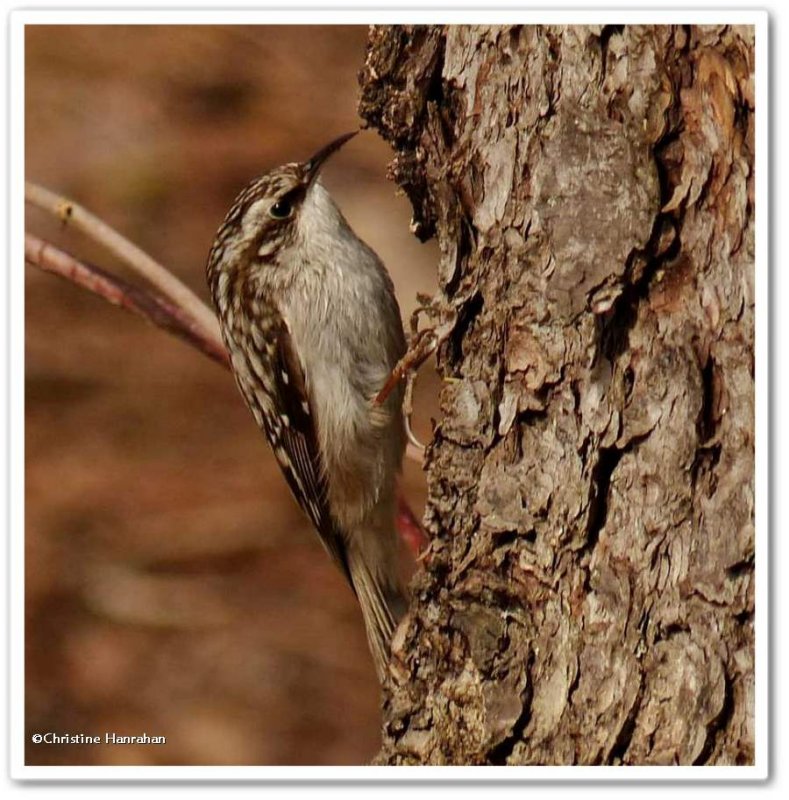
(423, 344)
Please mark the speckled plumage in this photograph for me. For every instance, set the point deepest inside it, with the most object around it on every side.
(310, 320)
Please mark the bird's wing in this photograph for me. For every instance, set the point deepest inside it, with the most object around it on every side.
(297, 449)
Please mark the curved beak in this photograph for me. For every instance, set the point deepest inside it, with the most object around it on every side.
(313, 165)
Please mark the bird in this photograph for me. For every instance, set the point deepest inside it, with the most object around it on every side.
(313, 330)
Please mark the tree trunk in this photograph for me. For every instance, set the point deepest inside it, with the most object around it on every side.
(587, 596)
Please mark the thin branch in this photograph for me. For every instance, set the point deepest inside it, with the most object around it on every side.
(120, 293)
(67, 211)
(171, 317)
(415, 448)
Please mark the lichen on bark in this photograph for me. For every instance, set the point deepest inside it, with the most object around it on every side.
(587, 596)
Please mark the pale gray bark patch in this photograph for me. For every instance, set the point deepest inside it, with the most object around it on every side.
(587, 597)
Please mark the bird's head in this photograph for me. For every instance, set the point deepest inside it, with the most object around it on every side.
(265, 218)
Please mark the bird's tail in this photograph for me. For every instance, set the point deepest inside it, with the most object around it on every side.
(383, 605)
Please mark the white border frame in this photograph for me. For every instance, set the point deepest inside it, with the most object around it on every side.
(18, 19)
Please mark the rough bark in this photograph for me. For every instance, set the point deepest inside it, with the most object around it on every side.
(587, 597)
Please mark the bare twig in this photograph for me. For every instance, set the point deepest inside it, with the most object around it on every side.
(119, 292)
(167, 314)
(408, 409)
(162, 279)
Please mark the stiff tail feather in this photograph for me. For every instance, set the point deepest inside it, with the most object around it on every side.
(382, 608)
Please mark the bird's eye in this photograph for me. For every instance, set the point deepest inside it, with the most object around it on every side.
(282, 209)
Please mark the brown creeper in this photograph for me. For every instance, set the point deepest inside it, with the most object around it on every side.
(309, 317)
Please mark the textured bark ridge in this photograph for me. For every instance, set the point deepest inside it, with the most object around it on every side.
(587, 597)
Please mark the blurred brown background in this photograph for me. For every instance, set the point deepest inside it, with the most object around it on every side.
(173, 586)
